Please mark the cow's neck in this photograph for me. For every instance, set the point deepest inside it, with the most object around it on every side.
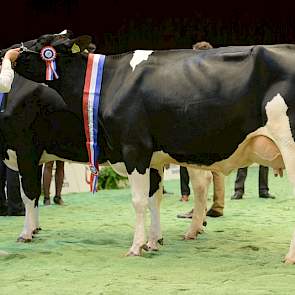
(70, 85)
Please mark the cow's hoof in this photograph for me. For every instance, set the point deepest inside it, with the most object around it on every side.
(145, 247)
(150, 246)
(289, 260)
(23, 240)
(161, 241)
(188, 237)
(133, 253)
(37, 230)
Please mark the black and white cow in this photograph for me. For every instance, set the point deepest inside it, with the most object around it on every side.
(29, 127)
(36, 121)
(217, 110)
(37, 126)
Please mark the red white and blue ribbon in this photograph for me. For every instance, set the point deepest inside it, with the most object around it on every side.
(91, 98)
(48, 54)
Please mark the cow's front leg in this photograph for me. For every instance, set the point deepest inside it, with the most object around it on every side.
(140, 184)
(200, 182)
(31, 175)
(29, 225)
(155, 197)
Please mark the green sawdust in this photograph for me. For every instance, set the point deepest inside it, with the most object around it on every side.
(82, 246)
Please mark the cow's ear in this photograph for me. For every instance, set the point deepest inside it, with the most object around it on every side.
(83, 41)
(75, 48)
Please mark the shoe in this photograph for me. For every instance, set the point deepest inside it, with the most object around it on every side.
(237, 196)
(186, 215)
(184, 198)
(46, 201)
(213, 213)
(267, 196)
(58, 200)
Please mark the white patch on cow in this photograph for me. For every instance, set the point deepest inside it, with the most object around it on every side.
(119, 168)
(62, 33)
(12, 161)
(279, 127)
(30, 218)
(50, 157)
(139, 56)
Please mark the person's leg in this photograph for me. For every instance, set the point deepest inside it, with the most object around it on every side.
(263, 183)
(14, 200)
(218, 195)
(3, 201)
(184, 184)
(47, 176)
(59, 179)
(239, 183)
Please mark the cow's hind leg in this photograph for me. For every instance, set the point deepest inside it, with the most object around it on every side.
(140, 184)
(200, 182)
(278, 125)
(155, 197)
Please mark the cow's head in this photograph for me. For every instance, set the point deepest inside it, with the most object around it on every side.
(30, 63)
(30, 45)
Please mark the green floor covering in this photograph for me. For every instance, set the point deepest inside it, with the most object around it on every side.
(82, 246)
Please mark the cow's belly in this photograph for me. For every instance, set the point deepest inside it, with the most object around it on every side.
(258, 147)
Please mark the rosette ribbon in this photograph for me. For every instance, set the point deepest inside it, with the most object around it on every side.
(48, 54)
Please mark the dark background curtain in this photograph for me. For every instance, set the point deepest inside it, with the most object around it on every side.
(120, 26)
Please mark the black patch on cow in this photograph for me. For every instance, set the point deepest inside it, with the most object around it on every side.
(155, 179)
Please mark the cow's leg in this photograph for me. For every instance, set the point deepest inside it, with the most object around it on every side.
(200, 180)
(30, 171)
(37, 227)
(140, 184)
(278, 125)
(29, 225)
(155, 197)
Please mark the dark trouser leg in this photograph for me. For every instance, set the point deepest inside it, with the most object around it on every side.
(47, 176)
(59, 177)
(218, 192)
(240, 180)
(14, 200)
(263, 180)
(184, 181)
(3, 201)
